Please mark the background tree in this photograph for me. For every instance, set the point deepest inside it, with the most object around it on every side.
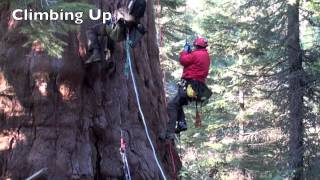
(296, 91)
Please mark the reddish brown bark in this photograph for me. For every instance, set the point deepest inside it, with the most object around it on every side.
(56, 113)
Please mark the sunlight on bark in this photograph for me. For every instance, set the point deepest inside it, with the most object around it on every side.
(66, 91)
(9, 140)
(41, 82)
(10, 107)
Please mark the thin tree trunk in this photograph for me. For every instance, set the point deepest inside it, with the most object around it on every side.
(241, 101)
(241, 117)
(296, 93)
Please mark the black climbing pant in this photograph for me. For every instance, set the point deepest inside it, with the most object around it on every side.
(175, 106)
(175, 109)
(93, 34)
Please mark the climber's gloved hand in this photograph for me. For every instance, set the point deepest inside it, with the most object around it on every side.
(187, 47)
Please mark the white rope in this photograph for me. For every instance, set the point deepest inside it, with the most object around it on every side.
(140, 109)
(126, 165)
(123, 153)
(37, 173)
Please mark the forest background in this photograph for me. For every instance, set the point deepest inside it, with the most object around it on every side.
(248, 131)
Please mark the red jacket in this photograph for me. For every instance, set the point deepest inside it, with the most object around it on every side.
(196, 64)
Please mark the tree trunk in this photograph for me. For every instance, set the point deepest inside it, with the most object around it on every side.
(57, 114)
(241, 117)
(296, 92)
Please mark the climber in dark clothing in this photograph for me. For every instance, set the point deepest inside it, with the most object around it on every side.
(195, 71)
(127, 23)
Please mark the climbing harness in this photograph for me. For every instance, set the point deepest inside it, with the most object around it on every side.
(140, 108)
(190, 92)
(123, 154)
(197, 92)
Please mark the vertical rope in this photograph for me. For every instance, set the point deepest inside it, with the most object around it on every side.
(140, 109)
(185, 20)
(123, 154)
(160, 38)
(173, 163)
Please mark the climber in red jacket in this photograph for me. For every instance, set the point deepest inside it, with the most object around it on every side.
(196, 65)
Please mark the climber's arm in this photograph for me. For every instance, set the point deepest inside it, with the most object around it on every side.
(186, 58)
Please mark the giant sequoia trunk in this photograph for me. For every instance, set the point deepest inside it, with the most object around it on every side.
(296, 92)
(57, 114)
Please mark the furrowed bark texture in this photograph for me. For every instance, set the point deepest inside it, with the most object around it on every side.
(57, 114)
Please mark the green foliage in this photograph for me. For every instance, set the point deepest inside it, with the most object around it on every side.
(50, 33)
(3, 3)
(172, 4)
(175, 22)
(72, 7)
(47, 36)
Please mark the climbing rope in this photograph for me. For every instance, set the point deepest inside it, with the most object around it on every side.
(160, 34)
(186, 20)
(37, 174)
(123, 154)
(140, 109)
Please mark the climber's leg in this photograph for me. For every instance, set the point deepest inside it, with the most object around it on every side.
(118, 32)
(174, 106)
(94, 46)
(182, 123)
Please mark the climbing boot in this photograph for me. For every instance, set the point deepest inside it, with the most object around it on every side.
(182, 126)
(95, 57)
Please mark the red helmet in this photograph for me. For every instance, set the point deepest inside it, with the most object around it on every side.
(199, 41)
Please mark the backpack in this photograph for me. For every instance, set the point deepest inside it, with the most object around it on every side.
(137, 8)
